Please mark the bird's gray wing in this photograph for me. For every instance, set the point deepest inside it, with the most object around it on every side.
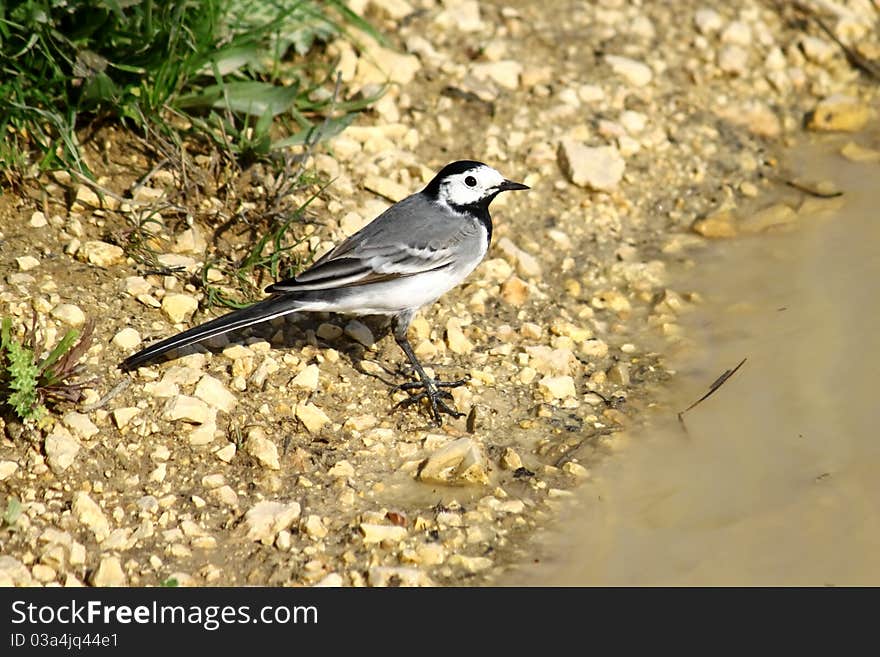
(411, 237)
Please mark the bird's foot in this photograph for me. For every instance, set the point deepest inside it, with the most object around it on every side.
(432, 390)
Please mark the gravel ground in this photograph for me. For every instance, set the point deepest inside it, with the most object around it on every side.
(644, 129)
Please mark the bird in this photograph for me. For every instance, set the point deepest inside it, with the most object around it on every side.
(406, 258)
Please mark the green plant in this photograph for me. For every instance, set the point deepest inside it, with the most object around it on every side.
(223, 70)
(12, 511)
(27, 381)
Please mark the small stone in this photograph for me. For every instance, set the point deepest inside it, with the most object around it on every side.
(531, 330)
(190, 409)
(590, 93)
(756, 116)
(226, 495)
(127, 339)
(85, 197)
(341, 468)
(311, 416)
(69, 314)
(515, 291)
(13, 572)
(717, 225)
(61, 449)
(386, 188)
(456, 339)
(80, 425)
(177, 261)
(179, 307)
(619, 374)
(839, 113)
(575, 469)
(307, 379)
(527, 375)
(374, 533)
(551, 361)
(470, 564)
(816, 49)
(315, 527)
(100, 253)
(431, 554)
(599, 168)
(633, 122)
(7, 469)
(332, 580)
(38, 220)
(77, 554)
(26, 263)
(634, 72)
(558, 387)
(360, 422)
(265, 519)
(262, 448)
(161, 388)
(149, 300)
(192, 240)
(90, 514)
(738, 33)
(283, 540)
(329, 332)
(212, 391)
(510, 459)
(137, 285)
(708, 21)
(855, 153)
(463, 15)
(43, 573)
(20, 279)
(183, 375)
(393, 9)
(459, 462)
(733, 59)
(226, 453)
(526, 264)
(109, 573)
(123, 416)
(773, 216)
(505, 73)
(359, 332)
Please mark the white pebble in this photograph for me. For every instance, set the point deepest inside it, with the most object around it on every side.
(69, 314)
(127, 339)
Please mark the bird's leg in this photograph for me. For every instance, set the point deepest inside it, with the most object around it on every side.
(431, 388)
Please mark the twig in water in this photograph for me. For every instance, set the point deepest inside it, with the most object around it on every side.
(812, 192)
(712, 388)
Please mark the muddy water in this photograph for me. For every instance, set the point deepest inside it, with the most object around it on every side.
(777, 479)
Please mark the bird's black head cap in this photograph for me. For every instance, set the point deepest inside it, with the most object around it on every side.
(433, 187)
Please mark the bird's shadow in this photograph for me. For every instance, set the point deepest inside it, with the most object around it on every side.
(295, 333)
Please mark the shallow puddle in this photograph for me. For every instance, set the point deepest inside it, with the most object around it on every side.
(777, 479)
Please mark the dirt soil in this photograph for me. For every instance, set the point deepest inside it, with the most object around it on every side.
(275, 456)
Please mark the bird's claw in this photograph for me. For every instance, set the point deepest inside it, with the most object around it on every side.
(431, 390)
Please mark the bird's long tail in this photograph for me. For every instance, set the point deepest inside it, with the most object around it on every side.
(259, 312)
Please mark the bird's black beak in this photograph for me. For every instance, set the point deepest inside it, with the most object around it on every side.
(509, 186)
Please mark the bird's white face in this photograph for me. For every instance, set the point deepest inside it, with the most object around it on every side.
(471, 186)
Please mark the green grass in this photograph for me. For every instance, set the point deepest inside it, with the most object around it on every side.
(240, 81)
(28, 380)
(12, 511)
(233, 72)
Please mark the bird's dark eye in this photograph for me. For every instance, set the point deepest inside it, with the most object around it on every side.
(470, 181)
